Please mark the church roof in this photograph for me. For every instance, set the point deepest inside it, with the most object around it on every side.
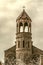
(11, 51)
(23, 15)
(36, 50)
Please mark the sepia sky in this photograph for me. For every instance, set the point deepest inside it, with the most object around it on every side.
(9, 11)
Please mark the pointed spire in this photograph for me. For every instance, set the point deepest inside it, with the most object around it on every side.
(23, 8)
(23, 15)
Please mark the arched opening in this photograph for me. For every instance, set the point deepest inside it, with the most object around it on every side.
(30, 27)
(21, 27)
(17, 27)
(26, 27)
(23, 44)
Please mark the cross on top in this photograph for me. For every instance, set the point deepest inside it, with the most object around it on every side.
(23, 7)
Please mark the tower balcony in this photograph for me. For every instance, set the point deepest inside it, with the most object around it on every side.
(23, 34)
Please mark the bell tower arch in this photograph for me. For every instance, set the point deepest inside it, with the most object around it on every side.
(23, 36)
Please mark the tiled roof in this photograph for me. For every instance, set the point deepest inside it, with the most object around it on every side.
(23, 15)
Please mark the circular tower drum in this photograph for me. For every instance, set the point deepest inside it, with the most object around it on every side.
(23, 37)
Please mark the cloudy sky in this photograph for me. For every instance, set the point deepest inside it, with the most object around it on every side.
(9, 11)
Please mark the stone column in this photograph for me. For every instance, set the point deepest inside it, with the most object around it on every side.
(23, 27)
(18, 27)
(28, 27)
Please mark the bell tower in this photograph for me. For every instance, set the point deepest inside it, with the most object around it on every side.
(23, 36)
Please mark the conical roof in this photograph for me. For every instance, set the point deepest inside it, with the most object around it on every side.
(23, 15)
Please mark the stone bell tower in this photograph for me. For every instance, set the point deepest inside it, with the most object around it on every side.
(23, 36)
